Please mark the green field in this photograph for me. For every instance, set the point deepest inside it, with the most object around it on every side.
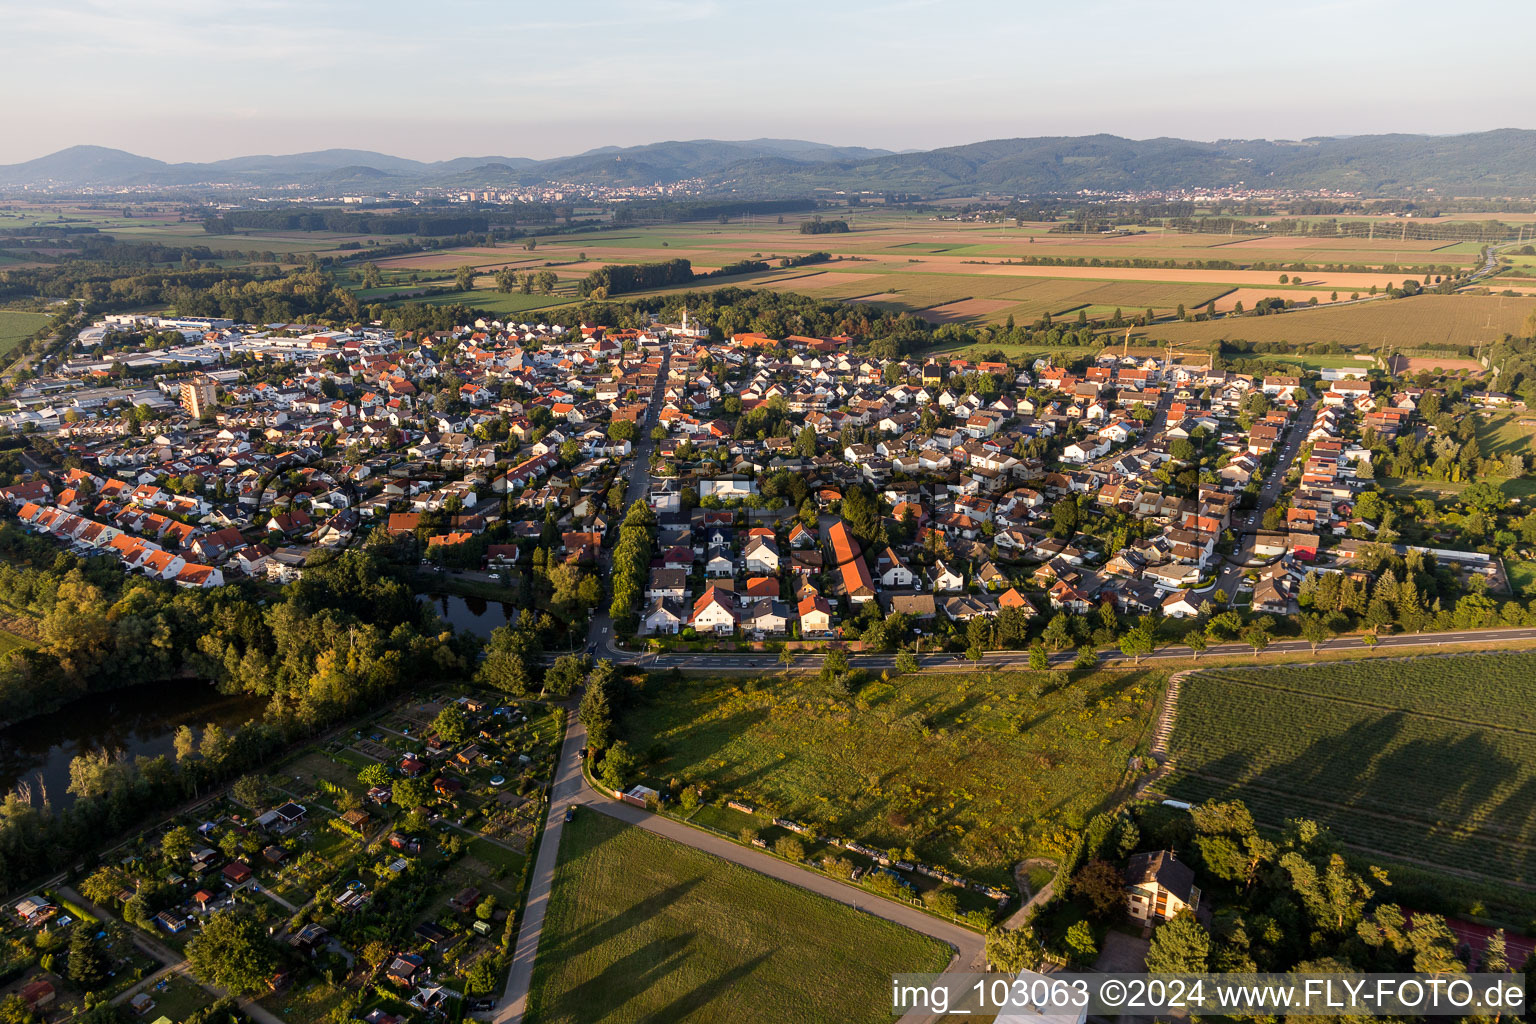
(15, 326)
(1400, 323)
(1430, 761)
(1505, 432)
(11, 642)
(1435, 490)
(1497, 435)
(974, 771)
(494, 302)
(642, 929)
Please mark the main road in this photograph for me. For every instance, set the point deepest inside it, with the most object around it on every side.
(600, 631)
(1406, 642)
(1244, 527)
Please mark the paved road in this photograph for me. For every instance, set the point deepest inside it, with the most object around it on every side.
(1407, 642)
(571, 788)
(567, 789)
(1245, 525)
(600, 631)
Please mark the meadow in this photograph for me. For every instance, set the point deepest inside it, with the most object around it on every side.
(1429, 761)
(640, 928)
(14, 326)
(975, 771)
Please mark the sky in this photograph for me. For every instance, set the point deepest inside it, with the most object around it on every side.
(194, 80)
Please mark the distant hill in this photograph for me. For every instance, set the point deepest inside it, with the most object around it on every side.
(1495, 163)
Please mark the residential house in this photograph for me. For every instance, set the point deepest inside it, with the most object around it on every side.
(1159, 887)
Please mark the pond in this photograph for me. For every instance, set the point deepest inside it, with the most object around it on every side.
(136, 720)
(475, 614)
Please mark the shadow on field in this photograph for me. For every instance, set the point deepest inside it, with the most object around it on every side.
(647, 729)
(1447, 800)
(605, 931)
(625, 978)
(702, 995)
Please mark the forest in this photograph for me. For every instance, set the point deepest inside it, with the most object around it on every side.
(429, 222)
(346, 637)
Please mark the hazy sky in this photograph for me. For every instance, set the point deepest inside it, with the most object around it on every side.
(207, 79)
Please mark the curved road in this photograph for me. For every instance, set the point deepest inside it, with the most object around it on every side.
(571, 788)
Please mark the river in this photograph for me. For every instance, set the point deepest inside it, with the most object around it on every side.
(475, 614)
(137, 720)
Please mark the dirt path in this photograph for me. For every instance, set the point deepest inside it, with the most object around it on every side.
(1034, 899)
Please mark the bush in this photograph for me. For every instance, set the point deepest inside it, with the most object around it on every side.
(790, 848)
(942, 901)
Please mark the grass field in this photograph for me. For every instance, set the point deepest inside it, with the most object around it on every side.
(642, 929)
(14, 326)
(1497, 434)
(975, 771)
(1431, 761)
(11, 642)
(1400, 323)
(1505, 432)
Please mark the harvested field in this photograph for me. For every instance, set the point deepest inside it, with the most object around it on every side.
(966, 309)
(1406, 364)
(479, 256)
(918, 262)
(1331, 244)
(1249, 296)
(1421, 320)
(1250, 278)
(821, 280)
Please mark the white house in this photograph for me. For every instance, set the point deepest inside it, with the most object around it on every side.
(761, 556)
(1079, 452)
(893, 572)
(662, 616)
(942, 578)
(715, 612)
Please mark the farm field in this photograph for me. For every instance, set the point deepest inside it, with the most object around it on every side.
(1430, 761)
(496, 302)
(950, 271)
(1399, 323)
(642, 929)
(14, 326)
(974, 772)
(155, 224)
